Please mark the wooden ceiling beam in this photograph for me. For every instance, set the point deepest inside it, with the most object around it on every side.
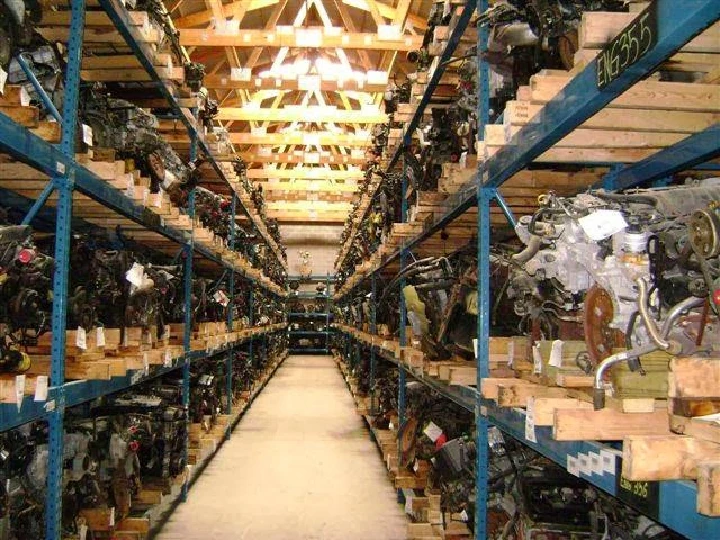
(231, 10)
(389, 12)
(305, 173)
(304, 186)
(299, 137)
(280, 38)
(302, 157)
(302, 114)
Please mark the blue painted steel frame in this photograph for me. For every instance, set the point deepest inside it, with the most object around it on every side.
(694, 150)
(119, 16)
(64, 185)
(678, 23)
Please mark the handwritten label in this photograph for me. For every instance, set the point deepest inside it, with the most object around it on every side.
(530, 421)
(81, 338)
(41, 388)
(537, 360)
(629, 46)
(100, 336)
(19, 390)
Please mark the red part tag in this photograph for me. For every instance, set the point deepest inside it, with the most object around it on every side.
(440, 441)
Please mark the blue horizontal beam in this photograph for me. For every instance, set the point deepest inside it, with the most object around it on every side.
(453, 42)
(694, 150)
(677, 23)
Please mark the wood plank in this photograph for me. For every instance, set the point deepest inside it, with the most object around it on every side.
(130, 75)
(517, 395)
(606, 424)
(598, 28)
(543, 408)
(302, 114)
(304, 173)
(694, 378)
(25, 116)
(669, 457)
(293, 38)
(655, 95)
(708, 488)
(300, 158)
(696, 427)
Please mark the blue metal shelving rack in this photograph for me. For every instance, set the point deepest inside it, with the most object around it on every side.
(678, 23)
(66, 176)
(327, 314)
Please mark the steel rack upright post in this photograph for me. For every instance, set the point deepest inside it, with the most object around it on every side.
(63, 182)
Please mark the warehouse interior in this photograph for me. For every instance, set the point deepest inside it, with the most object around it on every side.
(359, 269)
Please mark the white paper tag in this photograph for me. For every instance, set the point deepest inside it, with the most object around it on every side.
(221, 298)
(19, 389)
(433, 431)
(572, 466)
(81, 338)
(391, 426)
(556, 354)
(100, 336)
(167, 358)
(146, 364)
(415, 466)
(584, 465)
(41, 388)
(537, 360)
(50, 406)
(464, 516)
(82, 531)
(111, 521)
(3, 80)
(530, 421)
(475, 346)
(602, 224)
(596, 465)
(87, 135)
(156, 200)
(511, 353)
(608, 461)
(135, 274)
(408, 504)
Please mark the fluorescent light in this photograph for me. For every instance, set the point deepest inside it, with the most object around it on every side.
(308, 37)
(377, 77)
(389, 31)
(258, 130)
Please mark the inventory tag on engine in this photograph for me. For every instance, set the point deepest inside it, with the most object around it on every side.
(41, 388)
(408, 504)
(146, 364)
(602, 224)
(81, 338)
(530, 421)
(537, 360)
(100, 336)
(87, 135)
(19, 390)
(111, 520)
(135, 274)
(556, 353)
(433, 431)
(167, 358)
(3, 80)
(82, 531)
(221, 298)
(464, 516)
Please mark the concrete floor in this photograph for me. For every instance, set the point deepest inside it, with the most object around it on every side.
(300, 465)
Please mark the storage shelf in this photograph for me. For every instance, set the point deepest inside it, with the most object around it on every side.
(453, 42)
(677, 498)
(76, 392)
(310, 315)
(120, 17)
(308, 333)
